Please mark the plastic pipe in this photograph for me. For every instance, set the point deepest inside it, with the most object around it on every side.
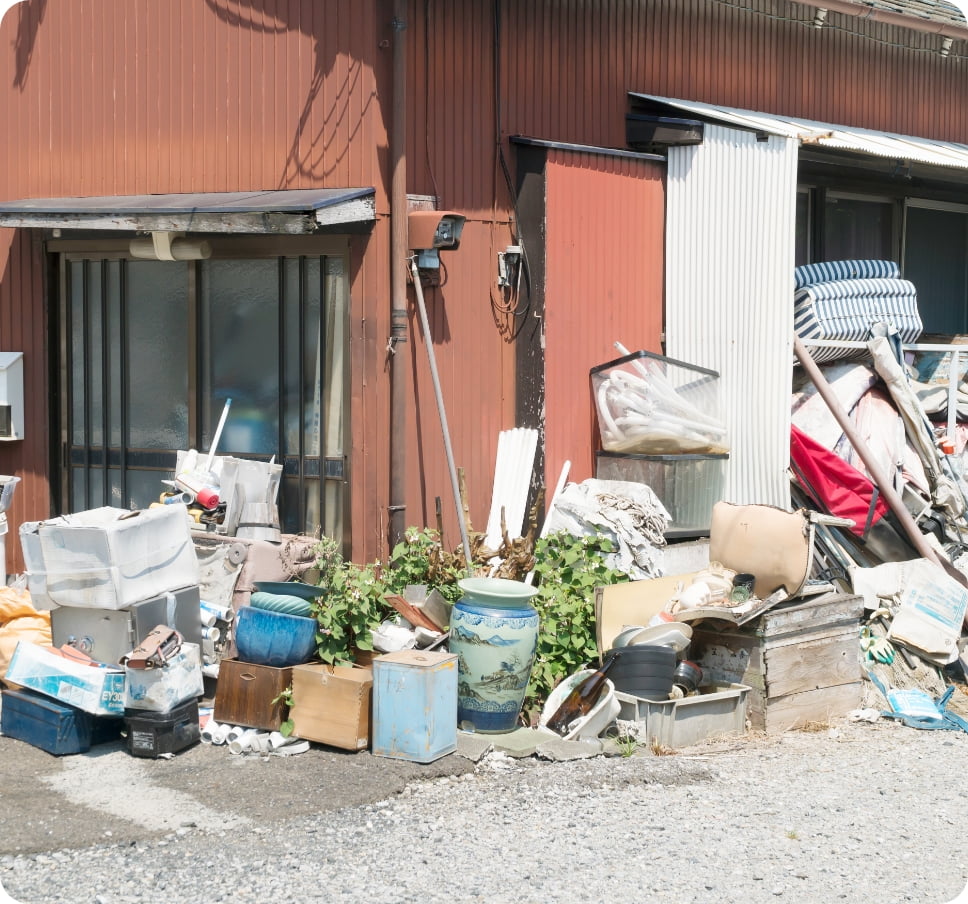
(210, 729)
(218, 435)
(429, 342)
(242, 742)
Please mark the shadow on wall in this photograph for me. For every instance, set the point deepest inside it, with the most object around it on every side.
(30, 13)
(311, 153)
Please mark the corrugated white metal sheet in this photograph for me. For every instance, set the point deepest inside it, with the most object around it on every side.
(844, 138)
(730, 226)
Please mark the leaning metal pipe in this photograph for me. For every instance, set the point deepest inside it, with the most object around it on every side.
(429, 342)
(397, 509)
(881, 480)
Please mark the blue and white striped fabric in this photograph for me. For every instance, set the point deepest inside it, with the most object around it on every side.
(832, 271)
(847, 309)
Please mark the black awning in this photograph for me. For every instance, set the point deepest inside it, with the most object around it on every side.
(292, 212)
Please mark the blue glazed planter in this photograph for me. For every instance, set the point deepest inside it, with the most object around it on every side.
(263, 637)
(494, 632)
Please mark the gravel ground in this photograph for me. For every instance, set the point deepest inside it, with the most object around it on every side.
(857, 812)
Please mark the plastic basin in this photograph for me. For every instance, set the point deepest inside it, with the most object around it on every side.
(271, 638)
(599, 717)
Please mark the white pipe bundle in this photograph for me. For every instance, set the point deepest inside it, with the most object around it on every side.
(641, 410)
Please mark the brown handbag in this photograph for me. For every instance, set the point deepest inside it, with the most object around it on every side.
(155, 649)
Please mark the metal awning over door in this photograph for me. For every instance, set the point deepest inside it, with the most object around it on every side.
(292, 212)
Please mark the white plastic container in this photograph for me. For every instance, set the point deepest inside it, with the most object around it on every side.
(681, 723)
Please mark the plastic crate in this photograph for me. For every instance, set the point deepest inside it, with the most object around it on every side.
(714, 711)
(652, 405)
(687, 485)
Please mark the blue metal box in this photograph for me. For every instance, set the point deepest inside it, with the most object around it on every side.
(51, 725)
(415, 705)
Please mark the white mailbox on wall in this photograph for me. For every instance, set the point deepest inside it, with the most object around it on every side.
(11, 395)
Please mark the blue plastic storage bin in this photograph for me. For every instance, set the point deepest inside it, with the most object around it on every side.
(274, 638)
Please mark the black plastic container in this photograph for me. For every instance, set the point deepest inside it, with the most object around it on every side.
(645, 671)
(155, 734)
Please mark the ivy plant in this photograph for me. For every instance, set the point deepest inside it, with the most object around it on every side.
(568, 569)
(355, 600)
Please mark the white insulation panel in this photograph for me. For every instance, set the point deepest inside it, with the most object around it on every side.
(730, 230)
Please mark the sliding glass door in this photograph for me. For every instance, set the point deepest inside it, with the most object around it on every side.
(151, 351)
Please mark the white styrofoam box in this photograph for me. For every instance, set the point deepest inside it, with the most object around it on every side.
(160, 690)
(96, 689)
(34, 561)
(109, 558)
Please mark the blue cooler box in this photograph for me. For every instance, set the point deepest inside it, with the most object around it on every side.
(415, 705)
(51, 725)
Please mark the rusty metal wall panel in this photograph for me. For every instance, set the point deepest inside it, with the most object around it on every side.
(185, 96)
(604, 246)
(731, 205)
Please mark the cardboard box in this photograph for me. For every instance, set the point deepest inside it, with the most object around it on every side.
(332, 705)
(109, 558)
(97, 689)
(245, 693)
(161, 690)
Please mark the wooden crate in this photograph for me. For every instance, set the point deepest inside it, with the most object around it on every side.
(802, 661)
(245, 693)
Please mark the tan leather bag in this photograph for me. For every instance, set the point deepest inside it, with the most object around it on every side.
(773, 545)
(155, 649)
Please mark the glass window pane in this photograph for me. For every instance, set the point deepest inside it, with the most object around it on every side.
(115, 351)
(803, 228)
(156, 304)
(240, 351)
(78, 350)
(857, 230)
(95, 352)
(935, 247)
(293, 318)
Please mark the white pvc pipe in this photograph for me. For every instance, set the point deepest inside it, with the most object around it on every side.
(218, 435)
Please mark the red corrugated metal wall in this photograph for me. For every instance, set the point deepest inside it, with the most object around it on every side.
(604, 251)
(128, 96)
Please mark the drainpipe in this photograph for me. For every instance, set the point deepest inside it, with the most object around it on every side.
(397, 508)
(889, 17)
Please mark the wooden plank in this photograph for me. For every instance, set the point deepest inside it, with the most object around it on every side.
(826, 610)
(821, 705)
(828, 633)
(809, 666)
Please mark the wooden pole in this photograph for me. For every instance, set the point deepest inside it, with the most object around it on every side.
(881, 480)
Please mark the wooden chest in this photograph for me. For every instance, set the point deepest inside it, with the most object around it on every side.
(802, 661)
(245, 693)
